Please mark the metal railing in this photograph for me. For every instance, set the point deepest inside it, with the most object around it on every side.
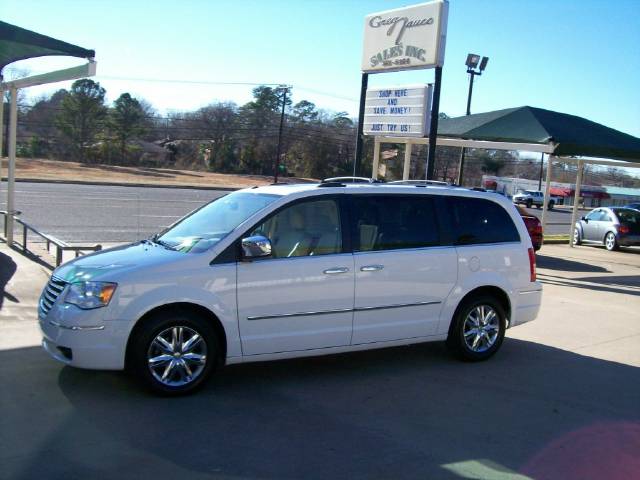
(60, 245)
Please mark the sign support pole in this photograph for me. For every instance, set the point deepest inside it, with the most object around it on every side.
(433, 131)
(363, 96)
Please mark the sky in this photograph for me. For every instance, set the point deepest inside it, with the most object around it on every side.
(575, 56)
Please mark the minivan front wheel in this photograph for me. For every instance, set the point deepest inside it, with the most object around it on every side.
(174, 354)
(477, 330)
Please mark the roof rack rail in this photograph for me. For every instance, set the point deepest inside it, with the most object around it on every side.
(351, 180)
(331, 184)
(420, 183)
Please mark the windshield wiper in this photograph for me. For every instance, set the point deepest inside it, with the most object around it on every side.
(162, 243)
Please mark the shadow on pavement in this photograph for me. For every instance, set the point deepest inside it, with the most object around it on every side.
(562, 264)
(631, 281)
(624, 285)
(7, 269)
(409, 412)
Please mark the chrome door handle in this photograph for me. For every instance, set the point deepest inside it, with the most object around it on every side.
(336, 270)
(371, 268)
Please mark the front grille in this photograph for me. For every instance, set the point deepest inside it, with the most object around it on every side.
(50, 294)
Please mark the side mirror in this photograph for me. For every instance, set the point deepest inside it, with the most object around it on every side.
(255, 247)
(585, 219)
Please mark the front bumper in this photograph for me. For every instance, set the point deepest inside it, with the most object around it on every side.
(81, 338)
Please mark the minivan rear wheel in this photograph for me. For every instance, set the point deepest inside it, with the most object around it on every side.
(477, 329)
(174, 353)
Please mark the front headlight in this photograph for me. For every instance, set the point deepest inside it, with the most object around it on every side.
(89, 295)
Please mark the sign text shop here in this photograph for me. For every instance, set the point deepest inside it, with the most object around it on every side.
(397, 111)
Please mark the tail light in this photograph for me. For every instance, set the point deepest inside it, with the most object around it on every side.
(532, 264)
(623, 229)
(537, 229)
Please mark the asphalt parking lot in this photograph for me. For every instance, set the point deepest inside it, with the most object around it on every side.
(560, 400)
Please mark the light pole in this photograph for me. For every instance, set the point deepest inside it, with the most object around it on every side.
(475, 66)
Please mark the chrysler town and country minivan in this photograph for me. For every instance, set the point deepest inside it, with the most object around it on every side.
(288, 271)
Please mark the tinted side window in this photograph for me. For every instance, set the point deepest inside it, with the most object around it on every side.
(481, 221)
(390, 222)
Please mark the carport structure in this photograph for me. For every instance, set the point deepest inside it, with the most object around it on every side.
(563, 137)
(20, 44)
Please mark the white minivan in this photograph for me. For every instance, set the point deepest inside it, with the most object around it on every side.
(288, 271)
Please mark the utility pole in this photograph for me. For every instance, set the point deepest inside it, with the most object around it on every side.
(284, 103)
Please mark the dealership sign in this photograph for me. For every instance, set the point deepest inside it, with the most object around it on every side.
(405, 38)
(398, 111)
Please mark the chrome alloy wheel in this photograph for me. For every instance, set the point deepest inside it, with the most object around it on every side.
(576, 236)
(177, 356)
(481, 328)
(610, 241)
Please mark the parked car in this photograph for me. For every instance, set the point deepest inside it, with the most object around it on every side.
(535, 197)
(288, 271)
(635, 206)
(612, 227)
(534, 227)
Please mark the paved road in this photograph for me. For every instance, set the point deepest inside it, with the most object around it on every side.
(95, 213)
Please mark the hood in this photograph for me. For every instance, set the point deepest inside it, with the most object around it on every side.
(104, 264)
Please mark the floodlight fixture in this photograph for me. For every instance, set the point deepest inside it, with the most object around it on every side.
(472, 60)
(483, 63)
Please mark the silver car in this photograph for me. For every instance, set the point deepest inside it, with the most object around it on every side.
(612, 227)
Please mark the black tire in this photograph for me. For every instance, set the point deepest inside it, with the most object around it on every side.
(552, 204)
(611, 242)
(577, 237)
(456, 340)
(538, 207)
(528, 203)
(141, 349)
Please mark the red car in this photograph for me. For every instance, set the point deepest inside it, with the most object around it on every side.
(534, 227)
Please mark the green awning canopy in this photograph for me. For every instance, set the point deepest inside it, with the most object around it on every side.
(573, 136)
(19, 44)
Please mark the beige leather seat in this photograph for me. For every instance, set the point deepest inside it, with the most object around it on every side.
(291, 238)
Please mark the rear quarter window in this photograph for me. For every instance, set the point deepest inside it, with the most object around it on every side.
(478, 221)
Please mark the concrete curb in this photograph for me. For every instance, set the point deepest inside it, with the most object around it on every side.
(126, 184)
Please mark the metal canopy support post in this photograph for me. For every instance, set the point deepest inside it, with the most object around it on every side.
(541, 170)
(433, 131)
(363, 96)
(1, 128)
(576, 198)
(11, 177)
(407, 161)
(376, 157)
(461, 166)
(547, 190)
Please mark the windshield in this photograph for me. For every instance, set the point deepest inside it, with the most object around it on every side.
(205, 227)
(531, 192)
